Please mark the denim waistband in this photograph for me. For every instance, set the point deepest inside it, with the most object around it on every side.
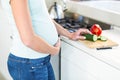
(27, 60)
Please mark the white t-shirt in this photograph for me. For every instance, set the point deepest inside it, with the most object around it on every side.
(42, 25)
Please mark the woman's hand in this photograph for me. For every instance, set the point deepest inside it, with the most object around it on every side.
(78, 34)
(57, 46)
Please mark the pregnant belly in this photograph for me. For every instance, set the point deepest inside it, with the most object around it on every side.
(47, 32)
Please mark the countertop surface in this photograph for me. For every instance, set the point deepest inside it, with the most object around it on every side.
(104, 11)
(108, 56)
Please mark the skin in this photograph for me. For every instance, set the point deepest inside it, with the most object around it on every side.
(23, 21)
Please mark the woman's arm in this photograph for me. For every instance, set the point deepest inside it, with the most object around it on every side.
(73, 36)
(23, 21)
(61, 30)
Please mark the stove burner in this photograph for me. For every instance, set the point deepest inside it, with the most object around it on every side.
(72, 25)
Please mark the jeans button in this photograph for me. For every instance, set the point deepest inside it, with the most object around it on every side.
(33, 67)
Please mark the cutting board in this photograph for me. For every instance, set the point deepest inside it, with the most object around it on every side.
(99, 44)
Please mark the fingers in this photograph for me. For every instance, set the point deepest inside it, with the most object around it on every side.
(84, 31)
(80, 37)
(56, 47)
(58, 43)
(87, 31)
(77, 37)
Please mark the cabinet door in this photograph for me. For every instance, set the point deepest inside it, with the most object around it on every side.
(78, 65)
(70, 71)
(55, 65)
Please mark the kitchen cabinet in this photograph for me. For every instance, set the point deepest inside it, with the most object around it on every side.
(81, 63)
(77, 65)
(55, 65)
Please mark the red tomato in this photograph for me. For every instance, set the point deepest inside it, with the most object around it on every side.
(96, 29)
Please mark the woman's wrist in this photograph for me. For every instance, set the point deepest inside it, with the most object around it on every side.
(70, 36)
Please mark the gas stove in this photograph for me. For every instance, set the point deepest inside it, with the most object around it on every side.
(72, 25)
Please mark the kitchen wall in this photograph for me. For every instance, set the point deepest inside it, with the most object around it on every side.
(51, 2)
(5, 44)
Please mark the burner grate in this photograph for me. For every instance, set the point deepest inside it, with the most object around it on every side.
(72, 25)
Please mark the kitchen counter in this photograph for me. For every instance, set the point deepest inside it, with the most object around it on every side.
(104, 11)
(108, 56)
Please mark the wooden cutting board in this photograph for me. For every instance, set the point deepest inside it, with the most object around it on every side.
(99, 44)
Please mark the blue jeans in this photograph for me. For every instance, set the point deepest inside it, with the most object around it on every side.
(30, 69)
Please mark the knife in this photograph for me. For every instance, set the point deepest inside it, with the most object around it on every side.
(104, 48)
